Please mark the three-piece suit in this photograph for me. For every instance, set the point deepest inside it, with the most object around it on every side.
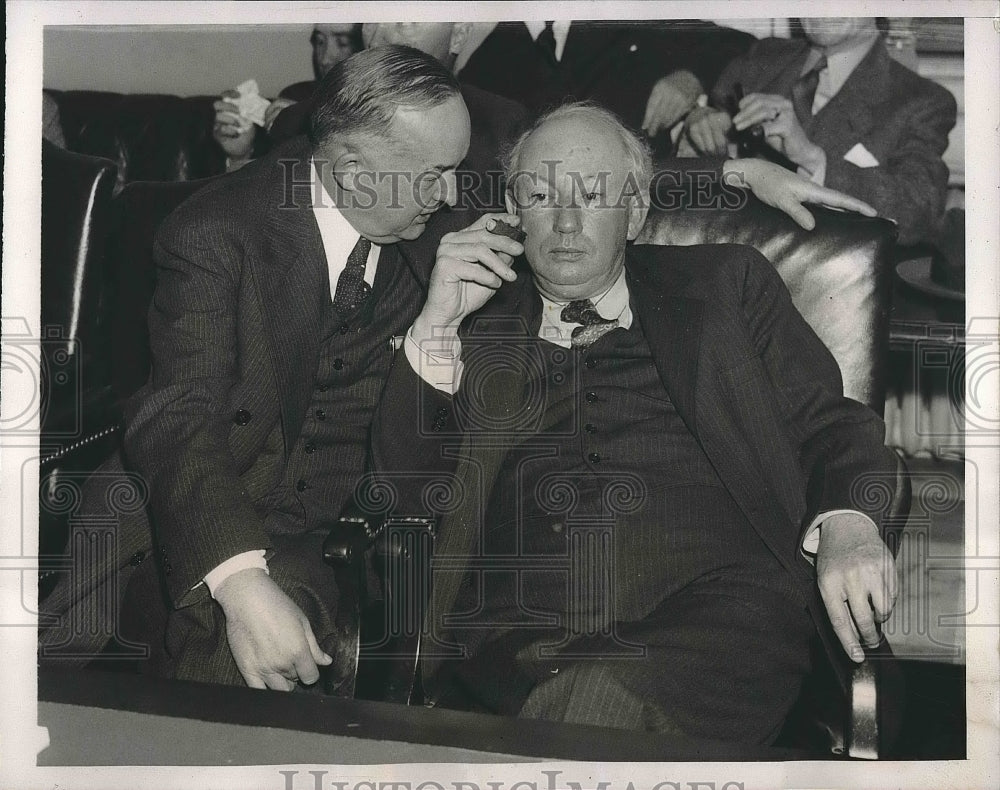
(685, 456)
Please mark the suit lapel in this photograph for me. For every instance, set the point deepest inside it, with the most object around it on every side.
(291, 275)
(851, 113)
(672, 324)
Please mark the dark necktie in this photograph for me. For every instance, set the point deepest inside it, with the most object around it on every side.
(804, 91)
(593, 328)
(352, 289)
(546, 41)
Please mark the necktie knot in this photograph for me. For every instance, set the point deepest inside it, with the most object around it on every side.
(593, 326)
(352, 289)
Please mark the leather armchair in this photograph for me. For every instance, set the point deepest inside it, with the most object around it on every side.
(75, 385)
(149, 137)
(838, 275)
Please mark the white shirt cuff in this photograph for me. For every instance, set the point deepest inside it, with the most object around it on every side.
(810, 541)
(222, 571)
(437, 361)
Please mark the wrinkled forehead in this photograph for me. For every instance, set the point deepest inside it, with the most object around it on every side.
(571, 149)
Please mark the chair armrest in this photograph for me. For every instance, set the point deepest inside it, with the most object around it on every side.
(863, 730)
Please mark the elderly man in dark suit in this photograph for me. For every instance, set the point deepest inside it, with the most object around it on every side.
(645, 437)
(649, 73)
(845, 114)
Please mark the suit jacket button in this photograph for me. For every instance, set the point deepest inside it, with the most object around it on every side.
(242, 417)
(301, 485)
(136, 559)
(594, 458)
(338, 364)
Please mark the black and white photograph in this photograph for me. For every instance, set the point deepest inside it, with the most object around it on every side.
(500, 395)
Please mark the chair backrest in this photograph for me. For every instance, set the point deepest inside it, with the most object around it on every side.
(838, 275)
(150, 137)
(76, 222)
(139, 209)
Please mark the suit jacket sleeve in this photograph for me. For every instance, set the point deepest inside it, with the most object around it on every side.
(840, 442)
(703, 48)
(911, 185)
(177, 428)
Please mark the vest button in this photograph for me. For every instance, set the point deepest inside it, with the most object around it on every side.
(338, 364)
(592, 397)
(242, 417)
(343, 329)
(320, 414)
(136, 560)
(591, 363)
(301, 485)
(590, 428)
(594, 458)
(310, 448)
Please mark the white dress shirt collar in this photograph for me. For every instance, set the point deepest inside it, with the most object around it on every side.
(840, 64)
(560, 30)
(337, 234)
(612, 304)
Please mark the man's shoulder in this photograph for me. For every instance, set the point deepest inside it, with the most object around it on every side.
(904, 83)
(697, 270)
(242, 199)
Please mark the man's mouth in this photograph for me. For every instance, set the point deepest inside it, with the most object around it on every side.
(567, 253)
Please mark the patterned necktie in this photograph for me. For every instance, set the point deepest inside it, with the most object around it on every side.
(804, 92)
(547, 43)
(352, 289)
(582, 311)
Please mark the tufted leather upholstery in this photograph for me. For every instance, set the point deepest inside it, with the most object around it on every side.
(838, 275)
(151, 137)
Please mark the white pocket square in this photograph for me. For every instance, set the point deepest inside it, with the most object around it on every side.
(861, 156)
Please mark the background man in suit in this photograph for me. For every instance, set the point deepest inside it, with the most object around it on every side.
(331, 43)
(648, 73)
(496, 120)
(278, 290)
(845, 114)
(649, 431)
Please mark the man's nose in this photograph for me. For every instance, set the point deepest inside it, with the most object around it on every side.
(567, 219)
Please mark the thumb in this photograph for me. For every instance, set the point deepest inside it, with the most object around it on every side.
(799, 213)
(317, 654)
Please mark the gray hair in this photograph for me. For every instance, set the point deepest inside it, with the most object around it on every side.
(362, 93)
(635, 147)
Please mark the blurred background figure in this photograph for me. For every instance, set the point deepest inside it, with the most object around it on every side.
(649, 73)
(838, 109)
(496, 120)
(331, 43)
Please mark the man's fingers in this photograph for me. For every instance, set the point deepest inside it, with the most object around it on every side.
(305, 667)
(254, 681)
(480, 251)
(843, 627)
(321, 658)
(794, 209)
(835, 199)
(277, 682)
(861, 612)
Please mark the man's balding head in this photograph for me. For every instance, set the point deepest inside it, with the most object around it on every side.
(579, 180)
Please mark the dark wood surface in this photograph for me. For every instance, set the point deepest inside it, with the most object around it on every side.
(111, 718)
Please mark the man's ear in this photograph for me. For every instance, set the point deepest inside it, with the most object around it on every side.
(638, 208)
(459, 37)
(345, 164)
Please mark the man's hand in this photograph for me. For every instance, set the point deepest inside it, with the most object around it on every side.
(471, 265)
(781, 126)
(857, 580)
(229, 130)
(787, 191)
(707, 129)
(269, 636)
(274, 110)
(669, 100)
